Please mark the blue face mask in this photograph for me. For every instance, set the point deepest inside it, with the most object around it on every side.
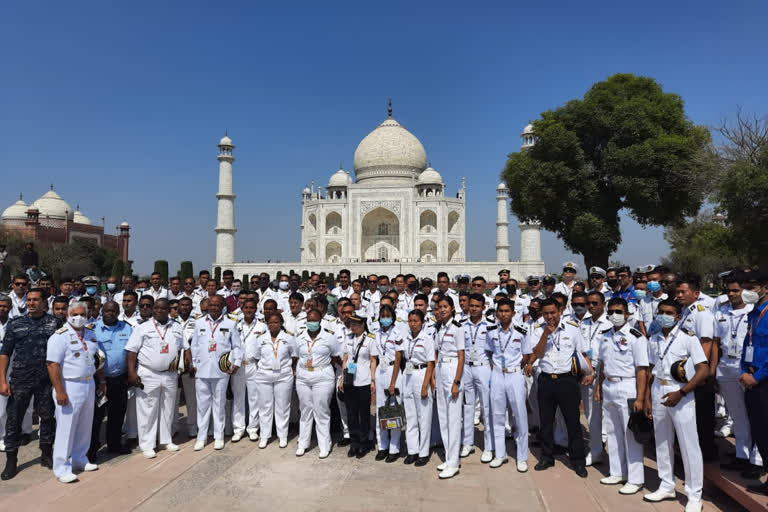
(666, 321)
(90, 290)
(111, 286)
(640, 294)
(386, 321)
(653, 286)
(313, 326)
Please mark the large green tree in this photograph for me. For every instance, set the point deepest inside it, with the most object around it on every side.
(626, 145)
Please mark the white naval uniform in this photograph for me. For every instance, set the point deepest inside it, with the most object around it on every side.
(388, 343)
(157, 346)
(75, 355)
(187, 380)
(294, 323)
(244, 382)
(731, 328)
(341, 292)
(591, 330)
(405, 301)
(621, 353)
(371, 301)
(507, 348)
(476, 381)
(210, 341)
(130, 425)
(274, 381)
(418, 352)
(680, 419)
(449, 340)
(341, 333)
(315, 382)
(160, 293)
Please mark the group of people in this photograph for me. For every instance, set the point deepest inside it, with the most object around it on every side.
(633, 349)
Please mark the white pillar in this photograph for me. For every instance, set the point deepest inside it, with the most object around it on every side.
(502, 224)
(530, 241)
(225, 220)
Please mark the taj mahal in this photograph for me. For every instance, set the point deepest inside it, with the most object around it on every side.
(394, 215)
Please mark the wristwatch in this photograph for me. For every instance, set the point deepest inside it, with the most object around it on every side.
(457, 382)
(683, 392)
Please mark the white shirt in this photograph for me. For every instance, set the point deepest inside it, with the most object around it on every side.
(475, 341)
(366, 342)
(388, 342)
(294, 323)
(160, 293)
(561, 344)
(449, 339)
(18, 305)
(419, 350)
(74, 354)
(731, 327)
(341, 292)
(664, 351)
(273, 356)
(565, 289)
(248, 335)
(266, 295)
(507, 346)
(134, 320)
(224, 292)
(592, 330)
(699, 319)
(371, 302)
(707, 301)
(623, 351)
(210, 341)
(648, 307)
(315, 354)
(405, 301)
(156, 345)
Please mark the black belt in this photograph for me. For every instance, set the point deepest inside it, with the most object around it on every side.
(477, 364)
(419, 366)
(555, 376)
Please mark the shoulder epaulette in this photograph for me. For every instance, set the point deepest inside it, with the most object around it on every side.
(635, 332)
(289, 333)
(259, 333)
(607, 330)
(371, 335)
(232, 317)
(520, 329)
(328, 330)
(700, 307)
(198, 317)
(571, 322)
(692, 307)
(456, 323)
(492, 327)
(61, 330)
(399, 320)
(90, 326)
(688, 332)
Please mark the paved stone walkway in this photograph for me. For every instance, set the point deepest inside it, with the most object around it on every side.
(244, 477)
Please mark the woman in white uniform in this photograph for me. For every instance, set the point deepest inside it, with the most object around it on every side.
(274, 378)
(359, 369)
(419, 355)
(449, 339)
(250, 330)
(314, 351)
(389, 344)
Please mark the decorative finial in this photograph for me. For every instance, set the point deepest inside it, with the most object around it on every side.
(78, 207)
(21, 196)
(463, 182)
(51, 186)
(341, 165)
(226, 132)
(389, 109)
(429, 163)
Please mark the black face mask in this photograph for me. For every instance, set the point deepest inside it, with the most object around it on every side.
(613, 283)
(535, 313)
(413, 286)
(511, 290)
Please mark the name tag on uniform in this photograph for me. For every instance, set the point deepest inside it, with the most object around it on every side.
(275, 364)
(212, 347)
(409, 368)
(732, 352)
(164, 349)
(749, 354)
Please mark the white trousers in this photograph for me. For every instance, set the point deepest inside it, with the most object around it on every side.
(476, 381)
(211, 395)
(508, 389)
(733, 395)
(274, 390)
(625, 454)
(188, 387)
(680, 420)
(342, 407)
(155, 406)
(449, 412)
(26, 423)
(593, 411)
(237, 382)
(315, 390)
(252, 390)
(418, 414)
(73, 427)
(388, 440)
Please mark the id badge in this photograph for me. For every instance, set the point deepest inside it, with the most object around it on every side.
(749, 353)
(275, 365)
(503, 363)
(351, 368)
(472, 356)
(164, 349)
(212, 347)
(409, 368)
(732, 351)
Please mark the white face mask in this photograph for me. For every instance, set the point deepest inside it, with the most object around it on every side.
(284, 285)
(617, 319)
(77, 321)
(749, 296)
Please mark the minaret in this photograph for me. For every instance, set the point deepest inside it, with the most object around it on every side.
(502, 224)
(225, 220)
(530, 232)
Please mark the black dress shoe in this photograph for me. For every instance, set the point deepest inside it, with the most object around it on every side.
(543, 464)
(119, 450)
(25, 439)
(344, 441)
(410, 459)
(735, 464)
(392, 457)
(559, 450)
(361, 452)
(46, 456)
(752, 472)
(352, 452)
(10, 466)
(580, 470)
(421, 461)
(759, 488)
(381, 455)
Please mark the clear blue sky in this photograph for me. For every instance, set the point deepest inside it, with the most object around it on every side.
(121, 105)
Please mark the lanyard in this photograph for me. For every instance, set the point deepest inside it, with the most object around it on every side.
(80, 338)
(473, 336)
(275, 344)
(556, 339)
(509, 340)
(592, 333)
(253, 326)
(756, 323)
(662, 356)
(412, 345)
(383, 347)
(213, 326)
(163, 334)
(310, 346)
(442, 338)
(408, 302)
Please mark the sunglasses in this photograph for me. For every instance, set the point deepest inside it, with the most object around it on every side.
(145, 305)
(615, 311)
(533, 283)
(20, 284)
(594, 303)
(372, 282)
(580, 303)
(596, 276)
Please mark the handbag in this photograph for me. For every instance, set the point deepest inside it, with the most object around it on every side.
(392, 413)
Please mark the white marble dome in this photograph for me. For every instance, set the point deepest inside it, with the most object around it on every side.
(340, 179)
(225, 141)
(430, 176)
(80, 218)
(389, 152)
(501, 186)
(51, 205)
(17, 211)
(528, 129)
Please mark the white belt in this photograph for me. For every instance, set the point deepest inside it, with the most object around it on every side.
(448, 359)
(82, 379)
(670, 382)
(513, 369)
(619, 379)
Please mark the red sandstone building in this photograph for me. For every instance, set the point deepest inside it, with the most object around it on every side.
(50, 220)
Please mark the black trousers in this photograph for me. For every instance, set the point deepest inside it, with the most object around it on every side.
(756, 399)
(563, 392)
(358, 401)
(705, 418)
(114, 409)
(17, 406)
